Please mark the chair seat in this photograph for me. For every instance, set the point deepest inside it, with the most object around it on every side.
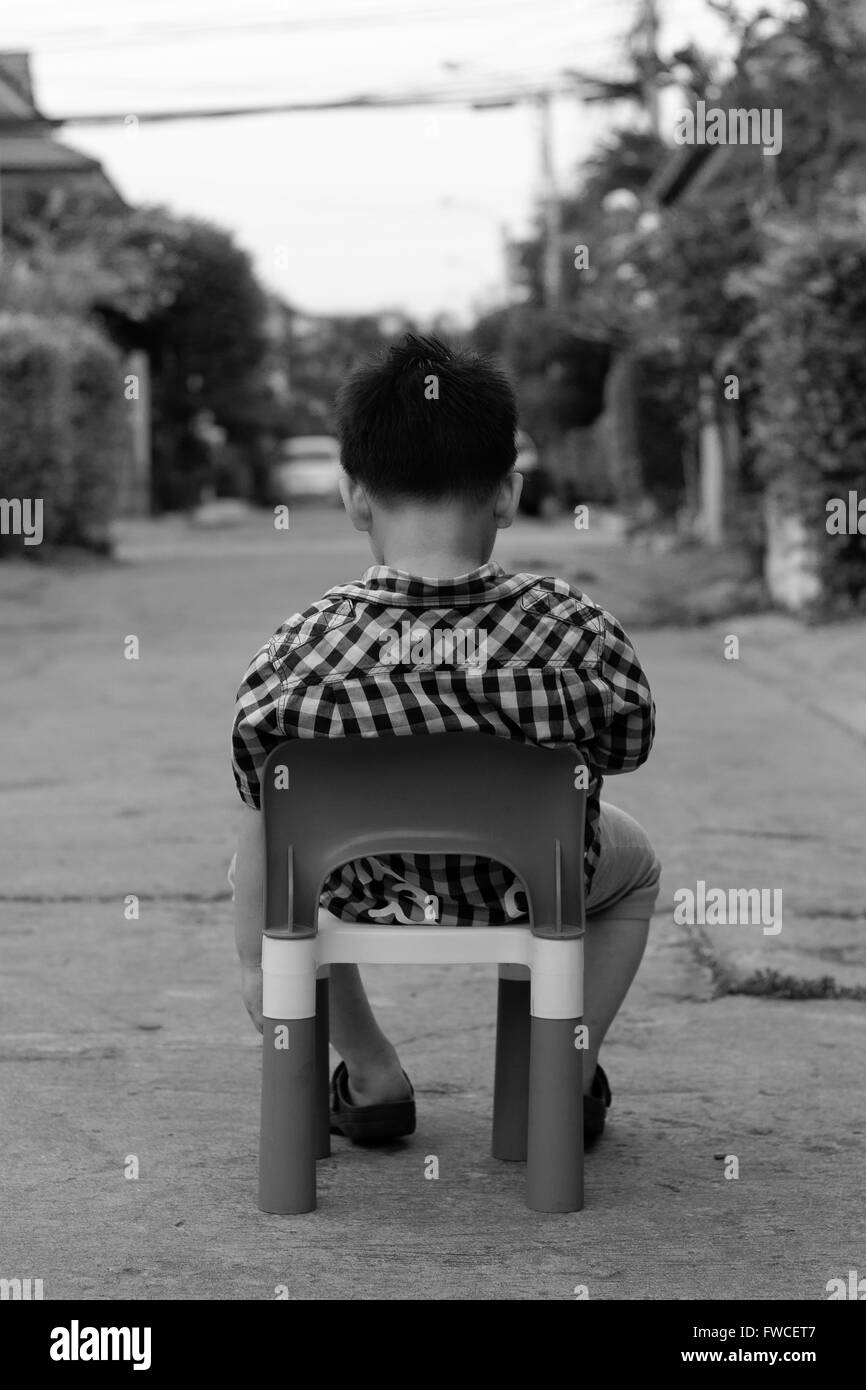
(363, 943)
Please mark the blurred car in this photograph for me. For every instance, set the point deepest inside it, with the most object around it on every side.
(538, 490)
(308, 470)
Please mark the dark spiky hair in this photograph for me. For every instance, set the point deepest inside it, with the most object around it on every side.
(404, 436)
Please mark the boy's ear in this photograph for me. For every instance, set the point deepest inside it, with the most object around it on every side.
(508, 500)
(356, 504)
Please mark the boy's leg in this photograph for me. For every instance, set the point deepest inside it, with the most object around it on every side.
(373, 1067)
(618, 912)
(612, 953)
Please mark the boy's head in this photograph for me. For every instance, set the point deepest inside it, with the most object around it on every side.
(427, 431)
(427, 423)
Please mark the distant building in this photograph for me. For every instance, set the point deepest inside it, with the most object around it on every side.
(39, 176)
(38, 171)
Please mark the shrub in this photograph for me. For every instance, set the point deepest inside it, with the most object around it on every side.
(809, 418)
(664, 407)
(649, 406)
(99, 438)
(61, 426)
(35, 442)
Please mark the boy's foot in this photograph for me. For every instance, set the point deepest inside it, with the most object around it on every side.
(385, 1121)
(595, 1107)
(379, 1123)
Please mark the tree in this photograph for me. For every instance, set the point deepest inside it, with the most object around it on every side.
(321, 351)
(178, 287)
(189, 294)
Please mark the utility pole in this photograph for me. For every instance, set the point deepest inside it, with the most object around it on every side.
(551, 215)
(649, 63)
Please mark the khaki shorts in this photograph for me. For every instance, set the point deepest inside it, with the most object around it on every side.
(626, 881)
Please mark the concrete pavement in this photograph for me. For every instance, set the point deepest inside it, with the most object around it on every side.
(126, 1039)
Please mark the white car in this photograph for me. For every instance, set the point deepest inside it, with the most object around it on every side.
(309, 468)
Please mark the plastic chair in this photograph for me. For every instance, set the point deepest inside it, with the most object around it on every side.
(329, 801)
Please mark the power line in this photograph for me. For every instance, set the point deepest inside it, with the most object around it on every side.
(370, 103)
(490, 97)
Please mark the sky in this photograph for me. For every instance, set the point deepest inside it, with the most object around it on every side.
(350, 211)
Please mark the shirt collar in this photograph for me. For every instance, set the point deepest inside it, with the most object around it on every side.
(483, 585)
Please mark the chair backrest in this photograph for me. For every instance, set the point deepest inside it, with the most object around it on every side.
(329, 801)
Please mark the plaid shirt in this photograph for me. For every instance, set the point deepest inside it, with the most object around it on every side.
(540, 662)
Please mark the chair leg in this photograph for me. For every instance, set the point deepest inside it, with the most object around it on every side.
(323, 1080)
(554, 1167)
(288, 1140)
(511, 1077)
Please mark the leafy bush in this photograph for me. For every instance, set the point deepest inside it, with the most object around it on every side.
(36, 457)
(664, 406)
(62, 426)
(648, 412)
(809, 418)
(99, 437)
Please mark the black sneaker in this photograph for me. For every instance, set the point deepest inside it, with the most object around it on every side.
(595, 1107)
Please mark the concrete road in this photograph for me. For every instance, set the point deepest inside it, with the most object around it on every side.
(129, 1072)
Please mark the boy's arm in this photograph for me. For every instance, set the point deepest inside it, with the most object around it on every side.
(625, 740)
(254, 732)
(250, 909)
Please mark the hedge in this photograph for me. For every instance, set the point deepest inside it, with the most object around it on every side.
(809, 417)
(62, 427)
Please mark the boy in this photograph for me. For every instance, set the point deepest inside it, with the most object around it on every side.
(428, 448)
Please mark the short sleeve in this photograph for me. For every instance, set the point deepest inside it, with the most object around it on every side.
(256, 728)
(625, 741)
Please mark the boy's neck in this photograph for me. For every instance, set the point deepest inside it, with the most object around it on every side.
(437, 541)
(434, 563)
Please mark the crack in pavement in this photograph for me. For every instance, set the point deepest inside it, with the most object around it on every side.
(222, 896)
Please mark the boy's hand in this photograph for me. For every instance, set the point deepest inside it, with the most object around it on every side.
(251, 988)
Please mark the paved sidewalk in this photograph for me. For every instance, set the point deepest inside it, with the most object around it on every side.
(127, 1038)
